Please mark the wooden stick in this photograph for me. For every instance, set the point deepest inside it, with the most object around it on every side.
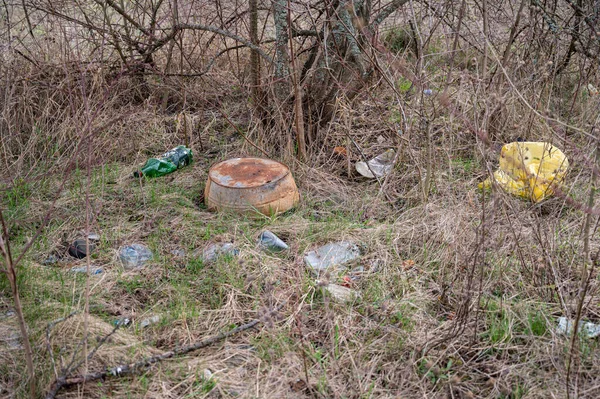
(132, 368)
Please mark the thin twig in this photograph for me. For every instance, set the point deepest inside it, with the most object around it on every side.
(5, 253)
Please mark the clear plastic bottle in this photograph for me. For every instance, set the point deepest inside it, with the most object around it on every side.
(134, 256)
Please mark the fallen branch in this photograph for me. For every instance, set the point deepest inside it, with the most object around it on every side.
(132, 368)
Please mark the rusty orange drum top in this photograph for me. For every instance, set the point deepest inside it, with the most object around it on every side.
(251, 184)
(247, 172)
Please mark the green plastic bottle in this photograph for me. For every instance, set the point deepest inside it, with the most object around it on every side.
(169, 162)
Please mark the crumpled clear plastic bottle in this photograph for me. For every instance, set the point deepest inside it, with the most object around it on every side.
(134, 256)
(331, 255)
(271, 242)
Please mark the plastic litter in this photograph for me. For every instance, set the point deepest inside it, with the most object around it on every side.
(428, 92)
(169, 162)
(78, 249)
(381, 165)
(588, 329)
(269, 241)
(51, 260)
(330, 255)
(93, 237)
(134, 256)
(207, 374)
(150, 320)
(530, 170)
(83, 269)
(341, 294)
(124, 322)
(215, 251)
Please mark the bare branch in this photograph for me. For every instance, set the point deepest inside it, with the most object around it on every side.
(122, 12)
(11, 275)
(389, 10)
(133, 368)
(161, 42)
(587, 19)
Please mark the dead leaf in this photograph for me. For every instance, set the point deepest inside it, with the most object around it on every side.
(340, 151)
(408, 264)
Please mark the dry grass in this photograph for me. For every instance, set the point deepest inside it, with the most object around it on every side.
(405, 336)
(460, 293)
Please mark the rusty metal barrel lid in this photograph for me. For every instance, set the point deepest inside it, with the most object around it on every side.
(247, 172)
(251, 184)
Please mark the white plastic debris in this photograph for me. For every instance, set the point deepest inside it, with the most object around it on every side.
(13, 340)
(214, 251)
(94, 237)
(134, 256)
(341, 294)
(588, 329)
(123, 322)
(83, 269)
(207, 374)
(379, 166)
(330, 255)
(150, 320)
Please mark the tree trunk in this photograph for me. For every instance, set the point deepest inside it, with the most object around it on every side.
(282, 72)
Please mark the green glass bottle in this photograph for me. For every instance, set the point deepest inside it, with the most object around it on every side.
(169, 162)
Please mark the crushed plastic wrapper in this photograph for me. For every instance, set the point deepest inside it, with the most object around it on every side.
(122, 322)
(331, 255)
(134, 256)
(379, 166)
(530, 170)
(341, 294)
(214, 251)
(83, 269)
(150, 320)
(565, 326)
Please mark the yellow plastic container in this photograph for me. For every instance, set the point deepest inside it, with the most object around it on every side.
(530, 170)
